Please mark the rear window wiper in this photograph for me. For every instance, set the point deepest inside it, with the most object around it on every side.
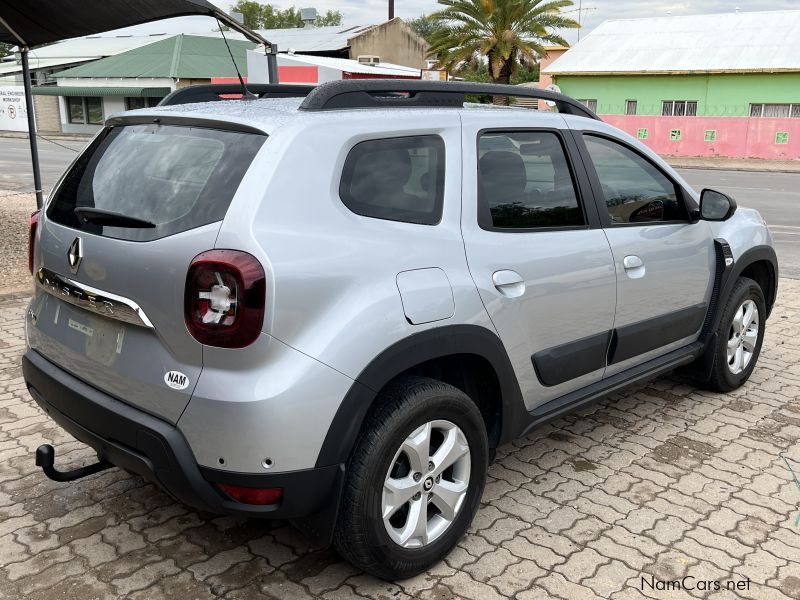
(99, 216)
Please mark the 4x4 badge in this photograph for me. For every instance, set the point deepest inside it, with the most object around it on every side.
(75, 254)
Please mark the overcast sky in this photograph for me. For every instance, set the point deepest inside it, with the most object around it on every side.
(363, 12)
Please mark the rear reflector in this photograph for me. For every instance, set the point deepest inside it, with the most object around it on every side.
(249, 495)
(33, 224)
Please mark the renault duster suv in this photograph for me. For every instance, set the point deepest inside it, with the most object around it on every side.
(332, 305)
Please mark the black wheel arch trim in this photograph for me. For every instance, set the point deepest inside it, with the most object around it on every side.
(426, 345)
(748, 258)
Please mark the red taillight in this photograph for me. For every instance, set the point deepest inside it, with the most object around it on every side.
(249, 495)
(33, 224)
(224, 298)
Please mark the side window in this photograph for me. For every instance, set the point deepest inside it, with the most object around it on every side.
(399, 179)
(524, 182)
(635, 191)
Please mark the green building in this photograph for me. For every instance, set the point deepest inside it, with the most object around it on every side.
(723, 84)
(729, 64)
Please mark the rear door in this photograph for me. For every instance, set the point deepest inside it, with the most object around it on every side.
(664, 262)
(535, 250)
(114, 245)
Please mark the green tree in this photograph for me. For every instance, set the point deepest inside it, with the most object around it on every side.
(424, 27)
(266, 16)
(332, 18)
(5, 49)
(251, 12)
(506, 34)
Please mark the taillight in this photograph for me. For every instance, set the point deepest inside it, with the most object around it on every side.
(250, 495)
(224, 298)
(33, 225)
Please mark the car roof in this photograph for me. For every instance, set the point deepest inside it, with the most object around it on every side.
(269, 114)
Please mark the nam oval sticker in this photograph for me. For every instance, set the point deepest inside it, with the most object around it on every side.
(176, 380)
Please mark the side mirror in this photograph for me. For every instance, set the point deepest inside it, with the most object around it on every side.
(716, 206)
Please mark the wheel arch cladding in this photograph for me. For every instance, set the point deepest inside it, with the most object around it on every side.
(469, 357)
(760, 264)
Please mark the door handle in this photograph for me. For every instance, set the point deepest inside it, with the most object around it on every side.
(632, 262)
(509, 283)
(634, 267)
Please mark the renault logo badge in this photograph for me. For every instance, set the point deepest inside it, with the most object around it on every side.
(75, 254)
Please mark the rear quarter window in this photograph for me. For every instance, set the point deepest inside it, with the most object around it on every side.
(397, 179)
(174, 177)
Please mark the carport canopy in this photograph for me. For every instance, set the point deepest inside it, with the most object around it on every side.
(35, 22)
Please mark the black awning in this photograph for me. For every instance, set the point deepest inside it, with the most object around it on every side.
(30, 23)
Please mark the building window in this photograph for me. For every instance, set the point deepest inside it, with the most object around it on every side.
(775, 111)
(782, 137)
(83, 111)
(134, 103)
(710, 135)
(630, 107)
(642, 133)
(590, 104)
(675, 135)
(679, 108)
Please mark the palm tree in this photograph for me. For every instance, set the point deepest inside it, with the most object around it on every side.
(506, 32)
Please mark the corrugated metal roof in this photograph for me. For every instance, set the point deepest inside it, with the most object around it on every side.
(351, 66)
(180, 56)
(728, 42)
(80, 50)
(313, 39)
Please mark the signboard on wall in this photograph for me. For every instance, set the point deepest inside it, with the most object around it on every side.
(433, 75)
(13, 114)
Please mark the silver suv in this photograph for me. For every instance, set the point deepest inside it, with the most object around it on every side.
(333, 304)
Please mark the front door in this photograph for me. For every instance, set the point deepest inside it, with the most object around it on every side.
(664, 263)
(541, 262)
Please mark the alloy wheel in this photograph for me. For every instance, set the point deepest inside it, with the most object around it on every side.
(426, 484)
(743, 337)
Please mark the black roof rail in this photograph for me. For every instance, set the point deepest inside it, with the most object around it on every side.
(213, 93)
(411, 93)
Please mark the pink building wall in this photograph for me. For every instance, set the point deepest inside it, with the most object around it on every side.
(736, 137)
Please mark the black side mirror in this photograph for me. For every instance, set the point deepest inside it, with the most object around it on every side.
(716, 206)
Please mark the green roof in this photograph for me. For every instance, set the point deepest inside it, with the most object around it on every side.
(180, 56)
(82, 90)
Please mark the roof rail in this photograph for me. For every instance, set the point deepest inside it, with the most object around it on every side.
(214, 92)
(409, 93)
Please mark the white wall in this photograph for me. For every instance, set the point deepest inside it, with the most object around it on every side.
(13, 112)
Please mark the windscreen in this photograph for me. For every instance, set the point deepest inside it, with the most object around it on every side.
(164, 179)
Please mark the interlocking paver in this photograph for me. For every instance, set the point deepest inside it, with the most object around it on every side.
(653, 483)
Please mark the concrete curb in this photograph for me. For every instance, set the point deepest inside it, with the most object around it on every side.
(754, 165)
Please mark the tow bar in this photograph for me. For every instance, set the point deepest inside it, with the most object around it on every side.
(45, 458)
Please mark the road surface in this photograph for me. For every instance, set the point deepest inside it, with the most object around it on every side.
(775, 195)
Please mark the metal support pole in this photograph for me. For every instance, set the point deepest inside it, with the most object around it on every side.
(272, 64)
(37, 177)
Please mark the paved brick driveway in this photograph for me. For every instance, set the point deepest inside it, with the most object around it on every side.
(662, 481)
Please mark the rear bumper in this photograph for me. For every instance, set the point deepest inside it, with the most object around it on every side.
(141, 443)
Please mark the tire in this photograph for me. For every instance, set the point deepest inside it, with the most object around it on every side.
(407, 407)
(728, 374)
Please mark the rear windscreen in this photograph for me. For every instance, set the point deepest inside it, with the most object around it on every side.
(174, 178)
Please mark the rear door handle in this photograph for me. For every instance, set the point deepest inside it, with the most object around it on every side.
(634, 267)
(509, 283)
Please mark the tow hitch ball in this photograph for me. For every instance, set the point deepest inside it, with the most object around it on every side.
(45, 457)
